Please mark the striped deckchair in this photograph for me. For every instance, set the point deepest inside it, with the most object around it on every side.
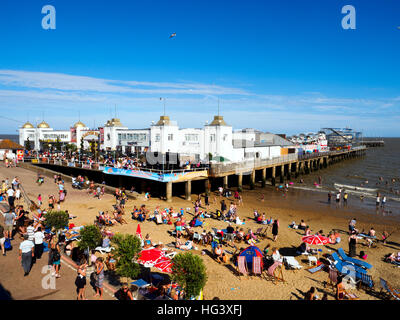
(242, 266)
(257, 266)
(275, 273)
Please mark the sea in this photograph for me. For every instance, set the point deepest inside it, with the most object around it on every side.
(376, 172)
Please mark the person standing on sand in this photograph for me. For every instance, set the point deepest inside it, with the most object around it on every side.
(99, 278)
(352, 244)
(329, 197)
(275, 227)
(345, 197)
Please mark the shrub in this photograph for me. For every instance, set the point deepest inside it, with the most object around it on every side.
(127, 249)
(90, 237)
(56, 219)
(189, 271)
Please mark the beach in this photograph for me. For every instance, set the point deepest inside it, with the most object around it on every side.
(223, 281)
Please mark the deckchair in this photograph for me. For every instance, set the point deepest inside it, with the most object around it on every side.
(159, 219)
(259, 232)
(275, 273)
(291, 263)
(391, 293)
(365, 281)
(357, 262)
(141, 285)
(103, 250)
(333, 275)
(196, 237)
(242, 266)
(257, 266)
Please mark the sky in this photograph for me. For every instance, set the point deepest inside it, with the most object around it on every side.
(284, 66)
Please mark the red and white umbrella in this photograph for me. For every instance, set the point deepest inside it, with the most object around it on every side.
(164, 264)
(139, 232)
(316, 240)
(155, 258)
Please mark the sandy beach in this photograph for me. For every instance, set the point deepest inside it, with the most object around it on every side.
(223, 281)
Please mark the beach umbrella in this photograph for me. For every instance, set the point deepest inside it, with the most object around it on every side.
(155, 258)
(316, 240)
(164, 264)
(139, 232)
(148, 257)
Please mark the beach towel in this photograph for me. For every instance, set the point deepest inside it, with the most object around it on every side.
(316, 268)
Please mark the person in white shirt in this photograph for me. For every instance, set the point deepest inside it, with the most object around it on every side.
(30, 230)
(17, 193)
(38, 240)
(26, 254)
(11, 197)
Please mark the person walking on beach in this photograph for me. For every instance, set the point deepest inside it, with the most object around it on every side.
(345, 197)
(383, 201)
(2, 240)
(26, 254)
(378, 200)
(329, 197)
(38, 240)
(338, 198)
(352, 244)
(55, 256)
(275, 227)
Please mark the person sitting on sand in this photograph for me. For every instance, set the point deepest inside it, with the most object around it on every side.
(108, 220)
(307, 232)
(118, 217)
(219, 254)
(110, 262)
(393, 258)
(310, 294)
(276, 256)
(302, 225)
(147, 242)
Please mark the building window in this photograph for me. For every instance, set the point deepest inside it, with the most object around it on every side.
(225, 137)
(170, 137)
(191, 137)
(212, 137)
(157, 137)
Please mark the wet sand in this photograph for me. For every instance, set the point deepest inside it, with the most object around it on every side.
(223, 281)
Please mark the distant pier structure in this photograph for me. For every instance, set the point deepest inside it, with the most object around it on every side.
(373, 143)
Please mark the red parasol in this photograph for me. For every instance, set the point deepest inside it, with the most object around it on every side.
(155, 258)
(164, 264)
(315, 240)
(139, 232)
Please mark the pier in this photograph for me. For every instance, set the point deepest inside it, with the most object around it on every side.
(371, 144)
(254, 173)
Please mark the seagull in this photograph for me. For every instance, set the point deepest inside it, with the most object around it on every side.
(172, 35)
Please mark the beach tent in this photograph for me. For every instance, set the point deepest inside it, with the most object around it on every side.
(249, 253)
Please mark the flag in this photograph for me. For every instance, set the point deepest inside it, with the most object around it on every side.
(139, 232)
(172, 35)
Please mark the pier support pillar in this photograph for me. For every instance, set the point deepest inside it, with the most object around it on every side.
(309, 165)
(253, 179)
(273, 176)
(225, 182)
(296, 173)
(188, 190)
(120, 181)
(282, 173)
(288, 173)
(207, 186)
(264, 177)
(168, 191)
(240, 181)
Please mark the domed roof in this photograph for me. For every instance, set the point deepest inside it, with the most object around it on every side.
(43, 124)
(114, 122)
(79, 124)
(28, 125)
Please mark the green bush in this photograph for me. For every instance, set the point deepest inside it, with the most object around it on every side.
(189, 271)
(126, 251)
(90, 237)
(56, 219)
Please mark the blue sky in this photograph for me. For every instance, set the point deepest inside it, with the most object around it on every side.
(282, 66)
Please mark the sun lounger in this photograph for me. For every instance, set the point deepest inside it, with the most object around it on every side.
(346, 268)
(357, 262)
(103, 250)
(291, 263)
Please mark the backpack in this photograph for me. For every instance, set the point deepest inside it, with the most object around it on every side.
(7, 244)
